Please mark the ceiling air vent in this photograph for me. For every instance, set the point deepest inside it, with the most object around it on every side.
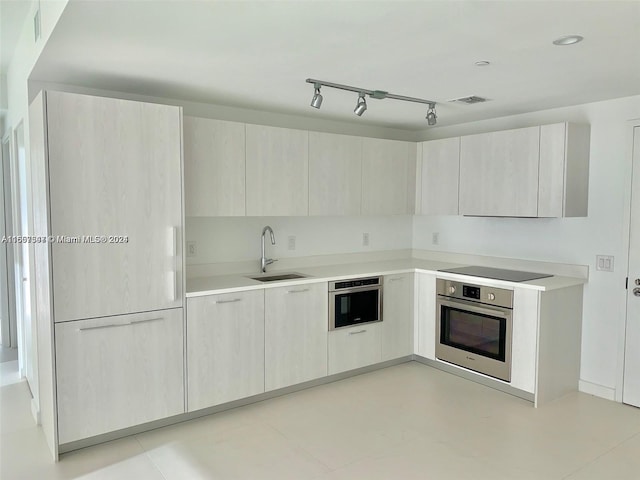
(470, 100)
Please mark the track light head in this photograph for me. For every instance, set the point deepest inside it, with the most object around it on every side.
(316, 102)
(431, 117)
(361, 106)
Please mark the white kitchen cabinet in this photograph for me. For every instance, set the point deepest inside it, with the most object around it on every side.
(277, 171)
(225, 348)
(117, 372)
(439, 172)
(214, 167)
(296, 325)
(564, 170)
(425, 315)
(355, 347)
(499, 173)
(397, 316)
(524, 341)
(115, 169)
(335, 174)
(388, 177)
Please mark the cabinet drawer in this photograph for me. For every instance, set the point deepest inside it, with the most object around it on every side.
(116, 372)
(225, 348)
(355, 347)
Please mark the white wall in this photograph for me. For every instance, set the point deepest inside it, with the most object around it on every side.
(570, 240)
(237, 239)
(27, 51)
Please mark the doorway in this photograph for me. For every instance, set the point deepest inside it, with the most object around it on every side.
(631, 379)
(23, 255)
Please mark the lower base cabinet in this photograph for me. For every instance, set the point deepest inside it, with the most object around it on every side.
(354, 347)
(225, 354)
(117, 372)
(397, 317)
(424, 325)
(295, 334)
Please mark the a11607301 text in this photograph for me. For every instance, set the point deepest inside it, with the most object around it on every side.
(65, 239)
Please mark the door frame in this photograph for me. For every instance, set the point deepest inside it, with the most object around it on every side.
(9, 326)
(626, 235)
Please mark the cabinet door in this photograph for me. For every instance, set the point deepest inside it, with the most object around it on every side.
(335, 174)
(114, 169)
(439, 177)
(296, 325)
(564, 170)
(354, 347)
(397, 316)
(499, 173)
(524, 343)
(225, 348)
(388, 177)
(214, 173)
(425, 321)
(117, 372)
(277, 171)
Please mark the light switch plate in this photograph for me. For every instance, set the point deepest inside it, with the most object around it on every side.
(291, 242)
(191, 249)
(365, 239)
(604, 263)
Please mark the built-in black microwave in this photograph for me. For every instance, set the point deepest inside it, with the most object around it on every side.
(355, 301)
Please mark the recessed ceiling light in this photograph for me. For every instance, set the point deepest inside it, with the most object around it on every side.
(482, 63)
(568, 40)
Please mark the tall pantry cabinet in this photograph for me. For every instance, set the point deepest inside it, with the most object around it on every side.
(107, 183)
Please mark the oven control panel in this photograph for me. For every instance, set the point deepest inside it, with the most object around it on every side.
(475, 293)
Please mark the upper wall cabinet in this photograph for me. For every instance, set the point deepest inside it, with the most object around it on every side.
(527, 172)
(388, 177)
(214, 167)
(277, 165)
(564, 170)
(335, 174)
(438, 177)
(499, 173)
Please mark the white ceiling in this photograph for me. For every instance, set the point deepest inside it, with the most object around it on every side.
(258, 54)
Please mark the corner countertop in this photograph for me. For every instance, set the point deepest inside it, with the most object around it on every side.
(328, 273)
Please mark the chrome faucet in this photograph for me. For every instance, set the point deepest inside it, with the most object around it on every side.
(263, 260)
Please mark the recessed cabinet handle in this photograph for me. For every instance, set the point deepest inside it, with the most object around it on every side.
(298, 291)
(397, 279)
(112, 325)
(355, 333)
(233, 300)
(176, 293)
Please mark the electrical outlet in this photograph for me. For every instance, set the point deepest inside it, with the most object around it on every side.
(435, 238)
(365, 239)
(292, 242)
(604, 263)
(191, 249)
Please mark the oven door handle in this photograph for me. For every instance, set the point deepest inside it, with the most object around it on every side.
(469, 306)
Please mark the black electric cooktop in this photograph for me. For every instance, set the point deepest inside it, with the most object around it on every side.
(497, 273)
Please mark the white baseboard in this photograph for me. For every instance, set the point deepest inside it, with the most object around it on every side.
(597, 390)
(35, 412)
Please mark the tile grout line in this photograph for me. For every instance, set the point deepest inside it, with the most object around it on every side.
(595, 459)
(148, 457)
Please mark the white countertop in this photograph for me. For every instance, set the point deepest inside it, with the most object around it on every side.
(240, 282)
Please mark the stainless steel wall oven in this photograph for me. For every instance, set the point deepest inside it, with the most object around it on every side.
(474, 327)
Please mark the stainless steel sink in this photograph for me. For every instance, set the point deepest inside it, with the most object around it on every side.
(275, 278)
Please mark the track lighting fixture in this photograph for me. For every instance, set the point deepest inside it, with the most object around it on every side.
(361, 106)
(431, 117)
(316, 102)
